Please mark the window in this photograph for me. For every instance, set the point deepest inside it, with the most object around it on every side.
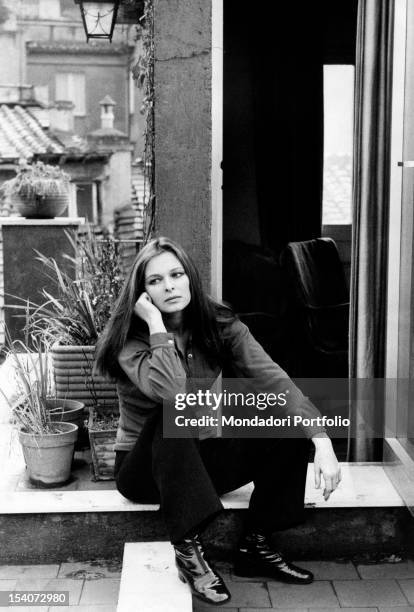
(71, 86)
(338, 140)
(86, 201)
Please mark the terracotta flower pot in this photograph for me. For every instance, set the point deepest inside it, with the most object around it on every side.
(67, 410)
(49, 457)
(41, 207)
(70, 411)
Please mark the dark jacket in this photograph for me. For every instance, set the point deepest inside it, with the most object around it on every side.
(156, 370)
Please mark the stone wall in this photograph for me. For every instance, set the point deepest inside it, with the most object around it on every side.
(183, 126)
(22, 276)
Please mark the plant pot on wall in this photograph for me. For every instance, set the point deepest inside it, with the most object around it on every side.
(40, 207)
(48, 457)
(38, 191)
(72, 366)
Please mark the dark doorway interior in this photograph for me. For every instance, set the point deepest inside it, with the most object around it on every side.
(273, 134)
(274, 55)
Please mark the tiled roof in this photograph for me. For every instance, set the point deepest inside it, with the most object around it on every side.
(337, 191)
(22, 136)
(72, 143)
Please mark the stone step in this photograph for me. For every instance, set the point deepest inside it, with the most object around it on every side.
(149, 580)
(364, 485)
(365, 516)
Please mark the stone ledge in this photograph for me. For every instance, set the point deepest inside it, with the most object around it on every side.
(54, 221)
(363, 485)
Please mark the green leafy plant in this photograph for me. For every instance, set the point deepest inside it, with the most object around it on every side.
(37, 179)
(83, 298)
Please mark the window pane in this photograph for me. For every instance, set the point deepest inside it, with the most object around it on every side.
(71, 86)
(338, 141)
(78, 89)
(62, 87)
(84, 201)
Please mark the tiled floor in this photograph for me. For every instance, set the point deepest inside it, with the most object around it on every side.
(93, 587)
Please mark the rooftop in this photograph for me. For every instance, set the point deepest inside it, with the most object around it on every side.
(22, 136)
(337, 192)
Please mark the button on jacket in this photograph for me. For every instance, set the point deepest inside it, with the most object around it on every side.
(156, 370)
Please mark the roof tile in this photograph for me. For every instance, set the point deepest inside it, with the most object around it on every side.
(22, 136)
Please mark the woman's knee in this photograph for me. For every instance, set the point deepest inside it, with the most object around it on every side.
(138, 487)
(173, 450)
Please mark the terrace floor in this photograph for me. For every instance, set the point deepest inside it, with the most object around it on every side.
(339, 586)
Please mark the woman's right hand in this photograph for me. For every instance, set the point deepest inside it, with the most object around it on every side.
(146, 310)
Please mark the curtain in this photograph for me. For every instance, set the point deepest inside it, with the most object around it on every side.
(273, 115)
(370, 218)
(287, 63)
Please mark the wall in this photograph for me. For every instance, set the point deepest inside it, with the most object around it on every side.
(97, 67)
(183, 125)
(116, 190)
(23, 275)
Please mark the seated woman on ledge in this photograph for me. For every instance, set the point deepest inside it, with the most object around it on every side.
(164, 331)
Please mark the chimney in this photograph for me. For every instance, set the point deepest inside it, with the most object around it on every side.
(107, 139)
(61, 116)
(107, 113)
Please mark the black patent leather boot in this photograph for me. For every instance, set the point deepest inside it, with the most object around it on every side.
(204, 582)
(256, 557)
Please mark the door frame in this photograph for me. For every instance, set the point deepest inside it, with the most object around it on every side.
(398, 463)
(216, 148)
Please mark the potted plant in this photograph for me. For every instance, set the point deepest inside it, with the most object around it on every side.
(69, 411)
(73, 318)
(47, 443)
(102, 427)
(38, 191)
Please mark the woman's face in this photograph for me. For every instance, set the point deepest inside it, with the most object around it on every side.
(167, 284)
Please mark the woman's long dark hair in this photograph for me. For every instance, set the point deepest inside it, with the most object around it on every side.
(203, 315)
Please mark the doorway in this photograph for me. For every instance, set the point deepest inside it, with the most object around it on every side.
(273, 148)
(280, 67)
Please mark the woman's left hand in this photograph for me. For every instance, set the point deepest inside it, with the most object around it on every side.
(326, 464)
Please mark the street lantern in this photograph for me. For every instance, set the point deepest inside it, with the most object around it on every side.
(98, 17)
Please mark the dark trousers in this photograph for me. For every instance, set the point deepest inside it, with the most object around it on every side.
(187, 476)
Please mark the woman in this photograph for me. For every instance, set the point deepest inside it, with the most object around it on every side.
(165, 331)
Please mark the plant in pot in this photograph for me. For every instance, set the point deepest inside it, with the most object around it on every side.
(47, 442)
(102, 426)
(72, 319)
(38, 191)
